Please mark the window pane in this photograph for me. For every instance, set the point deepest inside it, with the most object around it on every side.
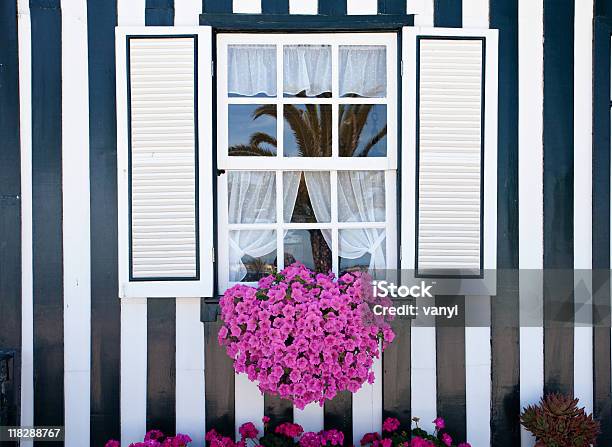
(252, 130)
(361, 249)
(252, 254)
(361, 196)
(251, 197)
(307, 196)
(307, 70)
(362, 130)
(251, 70)
(363, 71)
(309, 247)
(307, 130)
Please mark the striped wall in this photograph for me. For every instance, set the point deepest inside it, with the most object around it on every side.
(111, 369)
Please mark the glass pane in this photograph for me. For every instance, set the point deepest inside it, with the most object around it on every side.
(307, 70)
(252, 130)
(252, 254)
(361, 249)
(363, 71)
(251, 70)
(307, 196)
(362, 130)
(361, 196)
(310, 248)
(307, 130)
(251, 197)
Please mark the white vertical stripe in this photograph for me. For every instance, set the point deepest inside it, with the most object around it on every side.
(133, 369)
(367, 405)
(187, 12)
(357, 7)
(423, 375)
(424, 10)
(249, 403)
(583, 113)
(531, 237)
(247, 6)
(475, 13)
(478, 370)
(133, 312)
(25, 134)
(190, 408)
(76, 227)
(303, 7)
(131, 12)
(311, 417)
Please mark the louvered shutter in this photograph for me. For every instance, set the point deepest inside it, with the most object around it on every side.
(164, 150)
(450, 154)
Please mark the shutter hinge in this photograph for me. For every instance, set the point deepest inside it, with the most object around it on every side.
(401, 68)
(212, 253)
(400, 252)
(212, 69)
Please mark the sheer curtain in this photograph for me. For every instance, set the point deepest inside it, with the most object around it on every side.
(361, 198)
(251, 70)
(363, 70)
(252, 200)
(307, 68)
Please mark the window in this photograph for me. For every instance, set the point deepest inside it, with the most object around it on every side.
(306, 141)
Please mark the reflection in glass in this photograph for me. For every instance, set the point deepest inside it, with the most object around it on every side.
(307, 130)
(362, 130)
(312, 199)
(308, 247)
(363, 71)
(252, 254)
(251, 70)
(252, 130)
(307, 70)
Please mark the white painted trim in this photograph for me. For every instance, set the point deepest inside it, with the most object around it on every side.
(131, 12)
(76, 223)
(133, 370)
(303, 7)
(190, 403)
(152, 289)
(423, 381)
(475, 14)
(367, 405)
(361, 7)
(249, 403)
(246, 6)
(187, 12)
(27, 290)
(424, 10)
(311, 417)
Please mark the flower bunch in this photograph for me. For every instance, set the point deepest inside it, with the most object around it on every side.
(417, 437)
(155, 438)
(303, 335)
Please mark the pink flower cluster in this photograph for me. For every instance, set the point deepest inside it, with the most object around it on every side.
(155, 438)
(303, 335)
(414, 438)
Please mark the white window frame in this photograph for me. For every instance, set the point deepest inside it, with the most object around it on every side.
(451, 285)
(143, 288)
(279, 164)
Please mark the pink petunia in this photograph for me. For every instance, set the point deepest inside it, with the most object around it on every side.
(439, 423)
(447, 440)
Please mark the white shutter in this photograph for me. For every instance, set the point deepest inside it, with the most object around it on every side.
(450, 154)
(164, 151)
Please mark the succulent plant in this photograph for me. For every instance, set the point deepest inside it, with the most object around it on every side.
(558, 422)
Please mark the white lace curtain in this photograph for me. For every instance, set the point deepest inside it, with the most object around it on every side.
(252, 199)
(307, 68)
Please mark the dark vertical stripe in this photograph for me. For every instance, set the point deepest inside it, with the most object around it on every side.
(216, 6)
(602, 395)
(161, 364)
(338, 414)
(10, 202)
(558, 142)
(275, 6)
(396, 374)
(159, 12)
(447, 13)
(332, 7)
(277, 409)
(391, 7)
(450, 367)
(47, 213)
(105, 309)
(218, 376)
(505, 396)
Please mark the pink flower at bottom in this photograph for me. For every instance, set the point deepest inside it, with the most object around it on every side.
(420, 442)
(465, 444)
(289, 429)
(390, 425)
(112, 443)
(369, 438)
(439, 423)
(153, 434)
(446, 439)
(248, 431)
